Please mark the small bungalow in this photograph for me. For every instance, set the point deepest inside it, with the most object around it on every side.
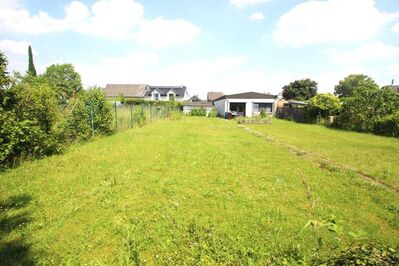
(245, 104)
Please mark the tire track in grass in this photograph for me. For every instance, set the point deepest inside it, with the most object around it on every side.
(322, 161)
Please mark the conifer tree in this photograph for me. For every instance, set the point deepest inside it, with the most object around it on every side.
(31, 67)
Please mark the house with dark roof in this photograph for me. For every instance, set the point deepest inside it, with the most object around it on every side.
(166, 93)
(245, 104)
(147, 92)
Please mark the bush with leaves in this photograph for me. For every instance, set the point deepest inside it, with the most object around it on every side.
(367, 106)
(64, 79)
(198, 112)
(90, 114)
(31, 124)
(323, 105)
(139, 116)
(213, 112)
(388, 125)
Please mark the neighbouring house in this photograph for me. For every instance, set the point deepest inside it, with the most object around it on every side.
(196, 103)
(213, 95)
(245, 104)
(147, 92)
(126, 90)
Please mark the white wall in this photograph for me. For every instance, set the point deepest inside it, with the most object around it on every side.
(224, 105)
(221, 106)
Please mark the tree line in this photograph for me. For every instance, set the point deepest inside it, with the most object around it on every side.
(358, 104)
(42, 114)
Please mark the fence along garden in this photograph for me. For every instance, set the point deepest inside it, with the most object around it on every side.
(128, 116)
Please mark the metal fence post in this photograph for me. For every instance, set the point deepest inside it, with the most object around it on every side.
(131, 116)
(116, 118)
(142, 112)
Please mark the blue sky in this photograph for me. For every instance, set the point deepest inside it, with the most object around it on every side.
(220, 45)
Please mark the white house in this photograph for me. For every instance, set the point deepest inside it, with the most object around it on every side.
(245, 104)
(166, 93)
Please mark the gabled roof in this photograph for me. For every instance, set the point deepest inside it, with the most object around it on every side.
(247, 95)
(213, 95)
(180, 91)
(126, 90)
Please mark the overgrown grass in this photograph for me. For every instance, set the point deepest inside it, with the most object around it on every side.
(197, 190)
(373, 155)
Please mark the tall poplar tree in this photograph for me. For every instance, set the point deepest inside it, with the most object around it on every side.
(31, 67)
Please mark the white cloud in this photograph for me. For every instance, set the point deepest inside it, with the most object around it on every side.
(114, 19)
(14, 47)
(7, 4)
(244, 3)
(257, 16)
(368, 52)
(160, 33)
(133, 68)
(330, 21)
(395, 27)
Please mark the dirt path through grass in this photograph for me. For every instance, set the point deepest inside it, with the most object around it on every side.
(322, 161)
(372, 156)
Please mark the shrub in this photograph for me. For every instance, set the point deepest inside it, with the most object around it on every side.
(324, 105)
(213, 112)
(91, 114)
(31, 123)
(139, 116)
(198, 112)
(388, 125)
(368, 105)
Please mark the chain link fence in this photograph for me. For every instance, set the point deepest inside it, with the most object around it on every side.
(128, 116)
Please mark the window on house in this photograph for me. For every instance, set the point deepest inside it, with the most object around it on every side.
(267, 107)
(156, 96)
(171, 96)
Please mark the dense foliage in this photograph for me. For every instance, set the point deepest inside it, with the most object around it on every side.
(324, 105)
(33, 123)
(303, 89)
(213, 112)
(366, 108)
(91, 114)
(388, 125)
(133, 101)
(348, 86)
(64, 79)
(198, 112)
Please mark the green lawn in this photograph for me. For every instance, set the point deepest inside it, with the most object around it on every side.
(198, 190)
(370, 154)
